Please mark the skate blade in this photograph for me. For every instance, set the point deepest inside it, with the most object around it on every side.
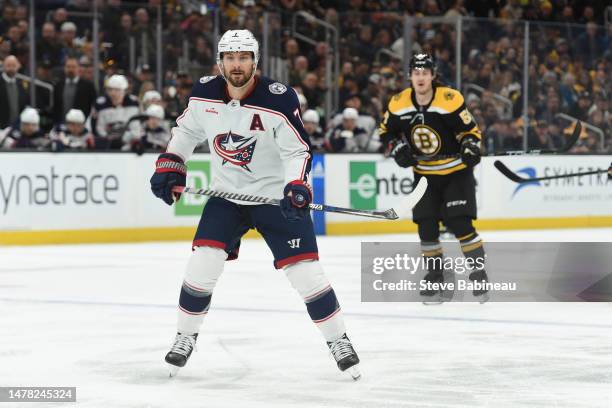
(436, 299)
(354, 372)
(173, 370)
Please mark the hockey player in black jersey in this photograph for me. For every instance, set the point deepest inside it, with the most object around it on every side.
(428, 127)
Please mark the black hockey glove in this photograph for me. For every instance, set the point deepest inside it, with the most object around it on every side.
(402, 153)
(470, 151)
(298, 195)
(170, 171)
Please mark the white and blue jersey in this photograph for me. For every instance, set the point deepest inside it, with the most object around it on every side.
(258, 144)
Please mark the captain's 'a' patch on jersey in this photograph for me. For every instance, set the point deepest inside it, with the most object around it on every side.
(235, 149)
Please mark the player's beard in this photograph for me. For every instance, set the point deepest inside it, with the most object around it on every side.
(238, 81)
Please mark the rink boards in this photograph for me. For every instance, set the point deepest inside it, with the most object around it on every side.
(105, 197)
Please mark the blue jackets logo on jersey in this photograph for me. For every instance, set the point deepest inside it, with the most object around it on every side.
(236, 149)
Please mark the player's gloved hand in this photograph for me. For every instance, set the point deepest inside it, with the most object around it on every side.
(170, 171)
(470, 151)
(298, 195)
(402, 153)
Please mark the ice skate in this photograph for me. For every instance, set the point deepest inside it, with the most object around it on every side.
(481, 295)
(345, 356)
(181, 350)
(434, 296)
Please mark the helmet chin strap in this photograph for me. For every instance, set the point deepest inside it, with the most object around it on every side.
(220, 65)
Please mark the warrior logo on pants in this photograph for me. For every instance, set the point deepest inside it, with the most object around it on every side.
(294, 243)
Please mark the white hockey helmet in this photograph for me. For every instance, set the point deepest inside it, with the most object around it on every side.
(310, 116)
(30, 115)
(236, 41)
(75, 116)
(151, 96)
(155, 111)
(350, 113)
(117, 82)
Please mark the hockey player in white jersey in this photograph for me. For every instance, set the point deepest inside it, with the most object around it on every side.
(258, 146)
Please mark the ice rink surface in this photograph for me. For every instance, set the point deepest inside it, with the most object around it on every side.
(102, 317)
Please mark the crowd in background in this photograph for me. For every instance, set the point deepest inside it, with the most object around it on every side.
(570, 65)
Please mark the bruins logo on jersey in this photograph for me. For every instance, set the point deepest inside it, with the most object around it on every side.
(426, 139)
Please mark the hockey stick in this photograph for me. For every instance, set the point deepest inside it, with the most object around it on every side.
(571, 141)
(518, 179)
(391, 214)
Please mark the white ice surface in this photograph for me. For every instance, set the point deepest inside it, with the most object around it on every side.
(102, 317)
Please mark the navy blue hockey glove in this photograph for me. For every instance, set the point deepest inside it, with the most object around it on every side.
(402, 153)
(470, 151)
(298, 195)
(170, 171)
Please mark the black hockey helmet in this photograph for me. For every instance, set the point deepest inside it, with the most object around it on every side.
(422, 61)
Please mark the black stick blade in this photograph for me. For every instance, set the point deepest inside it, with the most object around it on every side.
(508, 173)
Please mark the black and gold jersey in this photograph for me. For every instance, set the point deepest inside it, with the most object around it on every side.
(432, 130)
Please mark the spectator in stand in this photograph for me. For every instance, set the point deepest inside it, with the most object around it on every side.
(581, 109)
(47, 47)
(14, 37)
(552, 107)
(60, 16)
(540, 138)
(569, 95)
(311, 90)
(597, 118)
(202, 55)
(318, 58)
(86, 69)
(372, 98)
(13, 94)
(360, 48)
(68, 45)
(601, 80)
(143, 32)
(73, 92)
(349, 89)
(120, 40)
(292, 50)
(590, 44)
(298, 72)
